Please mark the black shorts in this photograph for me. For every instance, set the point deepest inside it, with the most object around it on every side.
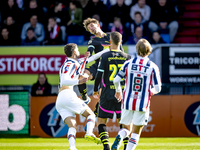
(93, 70)
(106, 110)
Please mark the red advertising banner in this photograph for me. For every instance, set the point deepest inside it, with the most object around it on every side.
(30, 64)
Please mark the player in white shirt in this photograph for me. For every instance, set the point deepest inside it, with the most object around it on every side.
(67, 103)
(141, 74)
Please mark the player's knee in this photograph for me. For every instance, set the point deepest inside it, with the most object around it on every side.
(87, 112)
(73, 125)
(101, 120)
(71, 122)
(92, 117)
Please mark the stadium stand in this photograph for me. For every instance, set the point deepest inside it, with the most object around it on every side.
(189, 23)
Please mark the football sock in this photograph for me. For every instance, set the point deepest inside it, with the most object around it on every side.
(83, 91)
(103, 135)
(96, 109)
(132, 143)
(71, 136)
(124, 133)
(125, 141)
(90, 124)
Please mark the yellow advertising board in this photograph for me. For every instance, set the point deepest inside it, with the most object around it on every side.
(21, 65)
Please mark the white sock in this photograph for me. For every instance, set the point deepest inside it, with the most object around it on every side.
(90, 124)
(71, 136)
(132, 143)
(123, 133)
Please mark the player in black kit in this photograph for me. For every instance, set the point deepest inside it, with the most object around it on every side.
(109, 65)
(98, 43)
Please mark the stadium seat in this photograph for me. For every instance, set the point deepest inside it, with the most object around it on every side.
(192, 7)
(189, 32)
(187, 40)
(190, 15)
(190, 1)
(78, 39)
(165, 37)
(190, 23)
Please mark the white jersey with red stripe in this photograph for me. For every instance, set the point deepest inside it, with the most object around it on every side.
(70, 71)
(140, 74)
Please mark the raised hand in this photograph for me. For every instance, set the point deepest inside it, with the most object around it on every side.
(87, 54)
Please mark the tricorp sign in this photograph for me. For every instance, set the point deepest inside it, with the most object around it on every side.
(181, 65)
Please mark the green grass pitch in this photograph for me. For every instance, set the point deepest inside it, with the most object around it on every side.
(82, 144)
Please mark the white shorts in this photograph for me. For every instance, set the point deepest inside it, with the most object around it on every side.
(137, 118)
(68, 104)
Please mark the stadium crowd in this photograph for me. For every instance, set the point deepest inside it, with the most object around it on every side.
(50, 22)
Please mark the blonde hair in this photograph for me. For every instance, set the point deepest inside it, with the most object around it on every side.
(143, 48)
(87, 21)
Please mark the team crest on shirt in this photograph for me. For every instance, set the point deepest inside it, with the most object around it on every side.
(90, 41)
(66, 68)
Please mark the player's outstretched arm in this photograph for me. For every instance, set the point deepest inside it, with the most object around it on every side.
(67, 81)
(97, 55)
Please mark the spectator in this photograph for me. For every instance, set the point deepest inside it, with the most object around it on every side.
(30, 39)
(20, 4)
(137, 22)
(13, 28)
(5, 38)
(34, 9)
(11, 9)
(156, 38)
(95, 7)
(137, 36)
(120, 10)
(110, 3)
(117, 26)
(74, 25)
(164, 18)
(41, 87)
(54, 33)
(38, 29)
(144, 9)
(59, 11)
